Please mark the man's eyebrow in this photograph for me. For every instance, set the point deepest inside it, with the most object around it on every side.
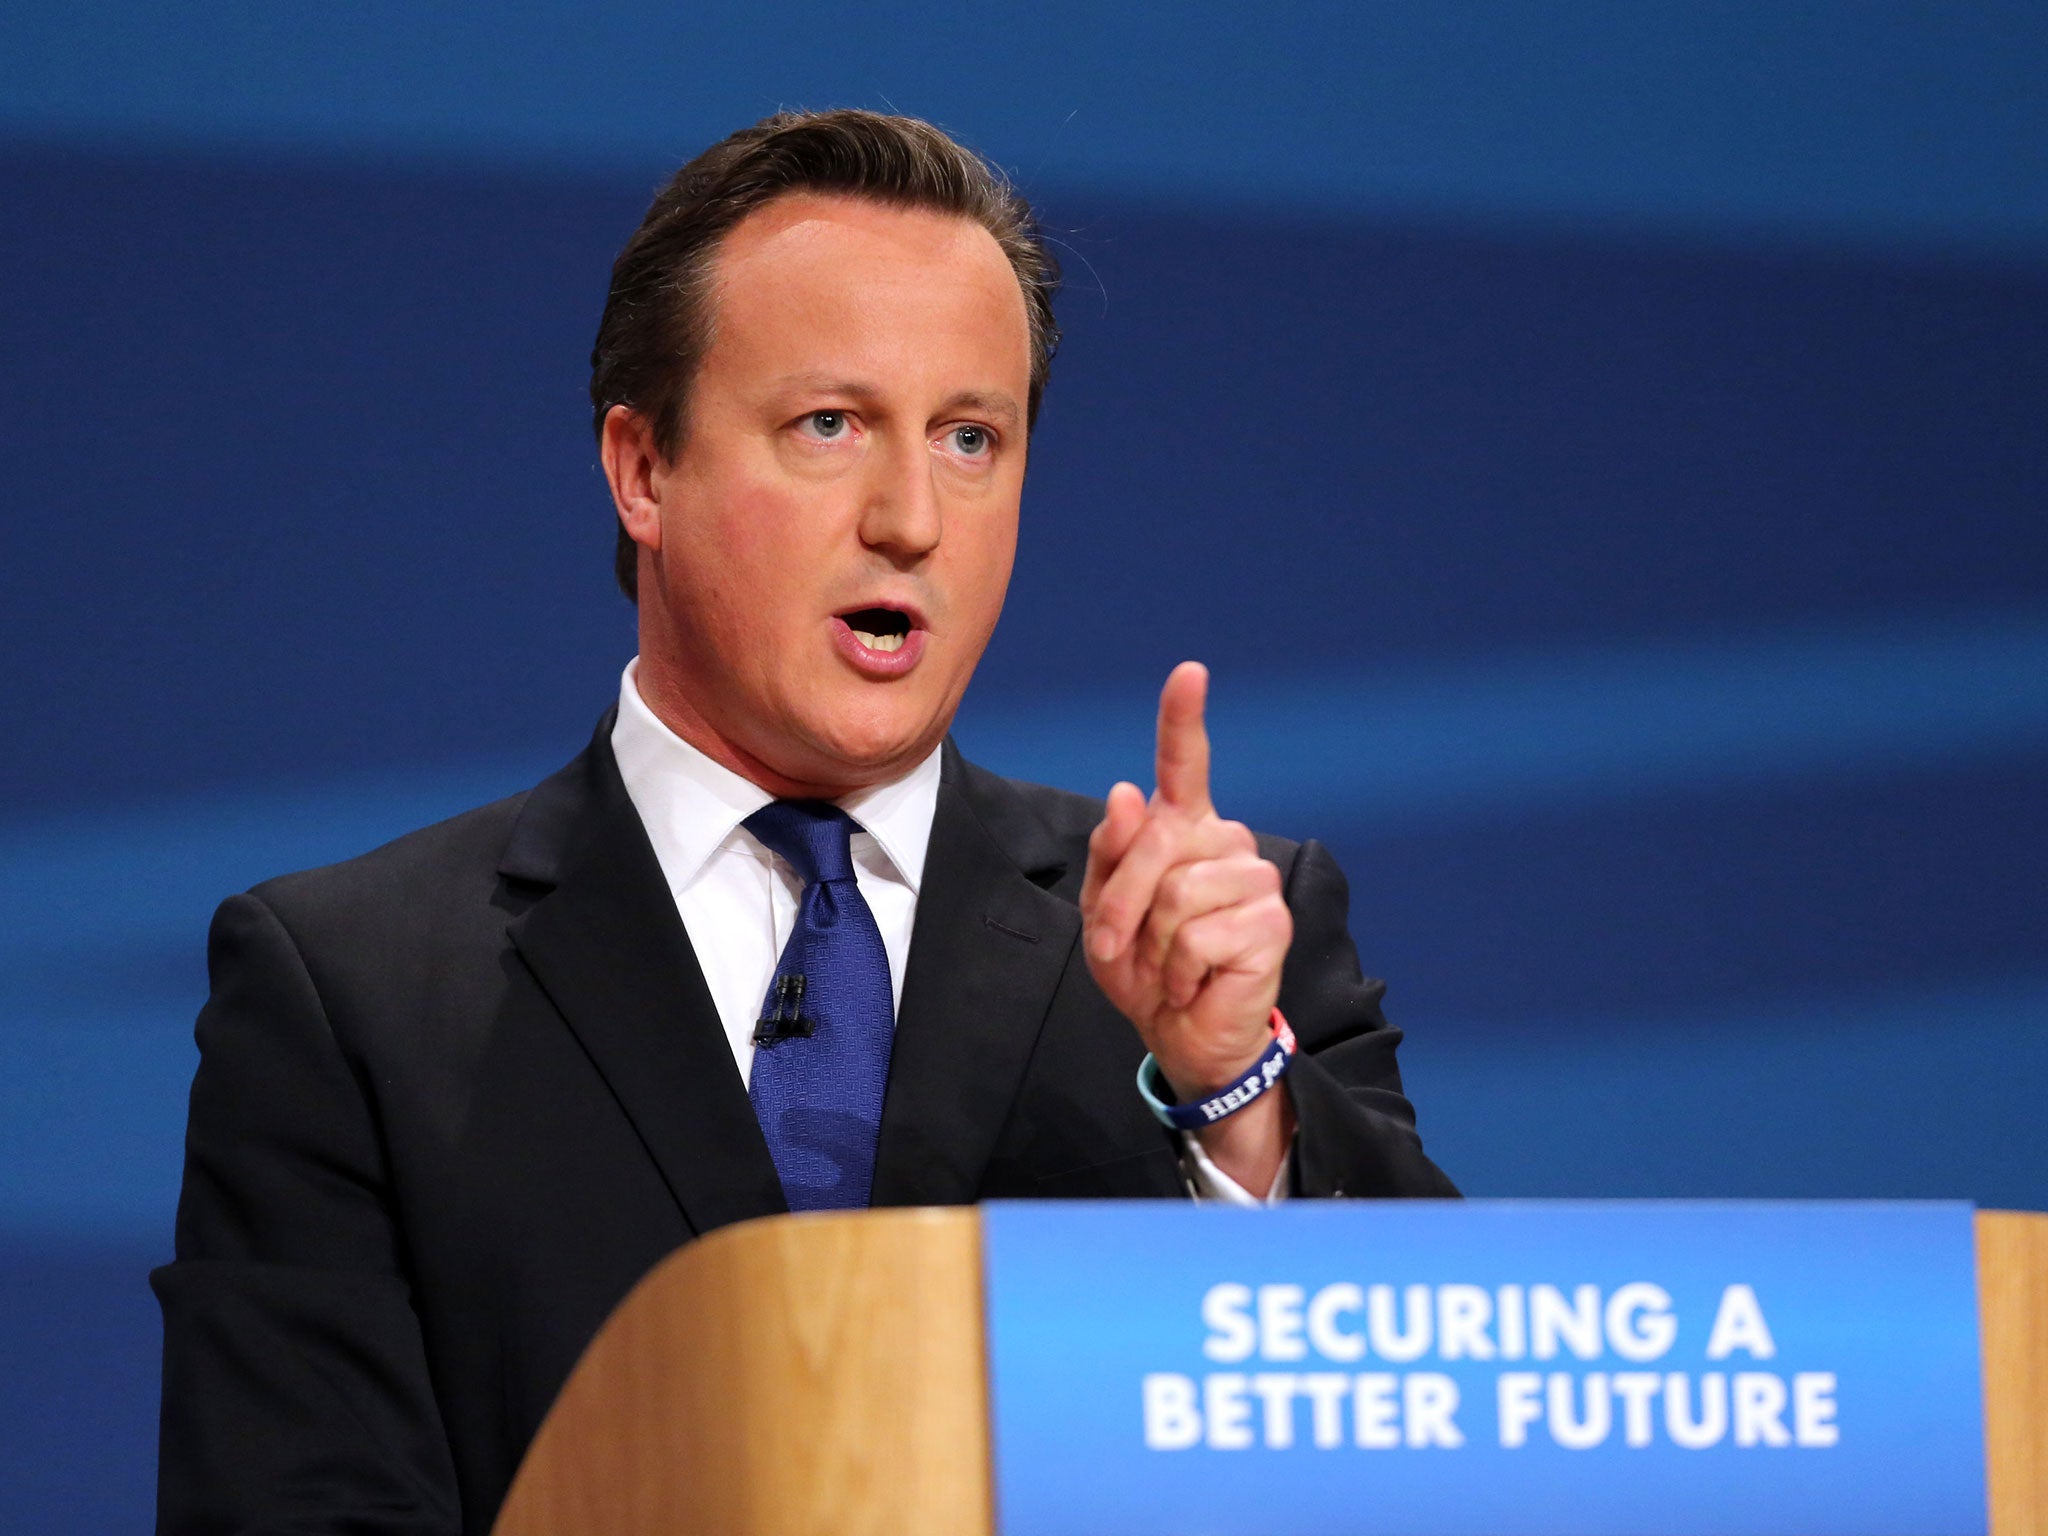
(998, 405)
(825, 384)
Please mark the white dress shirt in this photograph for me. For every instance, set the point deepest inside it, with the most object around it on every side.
(738, 900)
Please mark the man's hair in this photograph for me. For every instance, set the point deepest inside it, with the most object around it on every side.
(658, 315)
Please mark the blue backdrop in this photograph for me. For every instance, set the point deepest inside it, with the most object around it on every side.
(1611, 433)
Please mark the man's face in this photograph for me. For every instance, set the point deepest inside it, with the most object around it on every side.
(836, 534)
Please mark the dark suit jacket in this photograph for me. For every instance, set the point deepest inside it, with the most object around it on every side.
(456, 1096)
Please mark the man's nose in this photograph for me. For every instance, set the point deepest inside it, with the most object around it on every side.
(902, 516)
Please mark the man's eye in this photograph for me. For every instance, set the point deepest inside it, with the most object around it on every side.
(826, 424)
(974, 442)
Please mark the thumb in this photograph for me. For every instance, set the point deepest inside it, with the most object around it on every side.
(1122, 820)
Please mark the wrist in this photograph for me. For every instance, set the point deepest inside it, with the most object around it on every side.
(1237, 1092)
(1251, 1148)
(1195, 1073)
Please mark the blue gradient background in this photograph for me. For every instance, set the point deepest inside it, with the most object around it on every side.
(1599, 448)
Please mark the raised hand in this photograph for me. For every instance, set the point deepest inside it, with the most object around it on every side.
(1186, 931)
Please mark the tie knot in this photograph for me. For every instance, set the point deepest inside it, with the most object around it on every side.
(815, 836)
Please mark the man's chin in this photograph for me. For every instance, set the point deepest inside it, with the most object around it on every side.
(852, 755)
(866, 760)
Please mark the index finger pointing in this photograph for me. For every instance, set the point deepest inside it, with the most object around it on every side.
(1183, 761)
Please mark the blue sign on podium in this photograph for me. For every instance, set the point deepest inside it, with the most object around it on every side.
(1512, 1368)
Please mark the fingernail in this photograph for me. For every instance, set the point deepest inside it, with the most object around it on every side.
(1103, 945)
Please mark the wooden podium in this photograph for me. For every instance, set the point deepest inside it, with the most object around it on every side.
(826, 1374)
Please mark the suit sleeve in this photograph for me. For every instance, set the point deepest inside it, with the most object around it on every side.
(295, 1394)
(1356, 1134)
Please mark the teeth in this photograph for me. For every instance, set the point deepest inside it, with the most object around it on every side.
(879, 642)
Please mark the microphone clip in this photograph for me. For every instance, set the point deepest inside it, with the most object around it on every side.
(785, 1018)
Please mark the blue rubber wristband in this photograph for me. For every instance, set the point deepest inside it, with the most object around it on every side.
(1263, 1074)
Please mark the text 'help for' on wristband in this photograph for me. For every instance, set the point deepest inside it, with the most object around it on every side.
(1263, 1074)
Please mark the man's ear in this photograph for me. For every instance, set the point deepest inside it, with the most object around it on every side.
(632, 467)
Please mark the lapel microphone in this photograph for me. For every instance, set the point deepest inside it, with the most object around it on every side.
(784, 1019)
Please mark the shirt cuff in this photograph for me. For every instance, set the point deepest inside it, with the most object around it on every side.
(1207, 1182)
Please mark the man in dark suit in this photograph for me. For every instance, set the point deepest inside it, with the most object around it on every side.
(456, 1096)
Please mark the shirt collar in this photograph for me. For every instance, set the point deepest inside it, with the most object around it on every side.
(691, 805)
(898, 815)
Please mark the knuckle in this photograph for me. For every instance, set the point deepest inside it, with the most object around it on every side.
(1153, 837)
(1174, 884)
(1274, 914)
(1245, 924)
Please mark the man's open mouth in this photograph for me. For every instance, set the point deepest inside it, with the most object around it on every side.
(879, 629)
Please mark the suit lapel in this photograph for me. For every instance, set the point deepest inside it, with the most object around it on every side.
(986, 955)
(606, 946)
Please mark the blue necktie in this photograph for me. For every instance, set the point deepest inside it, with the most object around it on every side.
(828, 1021)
